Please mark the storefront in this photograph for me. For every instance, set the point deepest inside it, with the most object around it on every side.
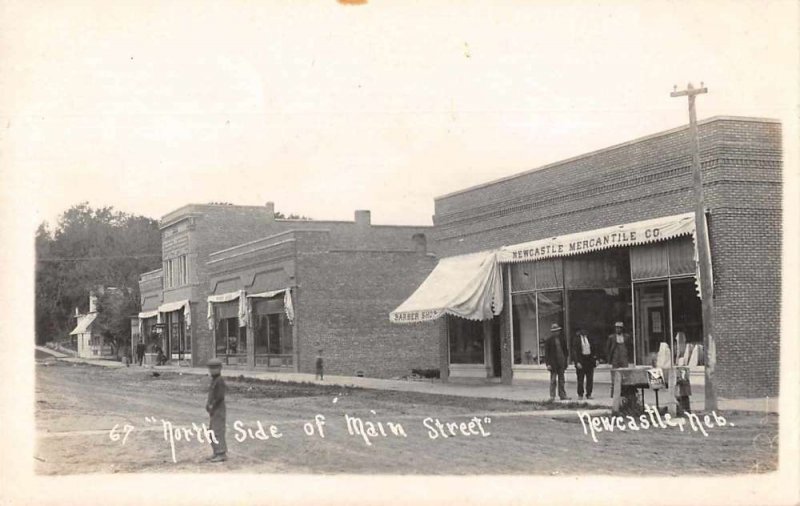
(642, 273)
(253, 329)
(174, 321)
(147, 333)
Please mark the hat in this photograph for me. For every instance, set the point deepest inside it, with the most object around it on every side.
(554, 327)
(619, 324)
(214, 362)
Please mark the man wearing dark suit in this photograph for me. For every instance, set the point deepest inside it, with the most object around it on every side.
(556, 356)
(585, 361)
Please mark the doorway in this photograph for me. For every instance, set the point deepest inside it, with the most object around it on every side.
(653, 322)
(495, 338)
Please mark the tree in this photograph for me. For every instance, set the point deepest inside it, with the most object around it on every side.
(114, 308)
(89, 248)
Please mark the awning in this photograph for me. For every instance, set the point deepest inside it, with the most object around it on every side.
(630, 234)
(288, 306)
(84, 322)
(227, 297)
(177, 306)
(468, 286)
(148, 314)
(266, 295)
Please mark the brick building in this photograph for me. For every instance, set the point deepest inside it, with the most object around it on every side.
(256, 291)
(608, 236)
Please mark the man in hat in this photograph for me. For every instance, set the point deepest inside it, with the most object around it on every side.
(216, 410)
(617, 347)
(585, 361)
(555, 356)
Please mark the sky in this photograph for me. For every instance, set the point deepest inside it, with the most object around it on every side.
(324, 108)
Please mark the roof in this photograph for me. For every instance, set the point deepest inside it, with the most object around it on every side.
(604, 150)
(84, 322)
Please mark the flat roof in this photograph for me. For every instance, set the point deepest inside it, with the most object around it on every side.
(605, 150)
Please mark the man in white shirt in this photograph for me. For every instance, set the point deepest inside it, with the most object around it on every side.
(585, 361)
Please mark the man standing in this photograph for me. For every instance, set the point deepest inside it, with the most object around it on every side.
(140, 353)
(555, 356)
(216, 410)
(617, 347)
(585, 362)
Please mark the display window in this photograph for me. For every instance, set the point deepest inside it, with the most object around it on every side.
(272, 333)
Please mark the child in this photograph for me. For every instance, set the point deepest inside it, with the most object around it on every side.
(319, 364)
(216, 410)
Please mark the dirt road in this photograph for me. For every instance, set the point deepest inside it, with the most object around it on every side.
(77, 406)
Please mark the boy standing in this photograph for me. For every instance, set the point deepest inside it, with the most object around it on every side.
(216, 410)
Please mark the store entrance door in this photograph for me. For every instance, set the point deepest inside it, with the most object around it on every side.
(653, 325)
(495, 347)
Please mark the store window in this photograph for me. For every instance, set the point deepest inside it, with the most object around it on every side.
(687, 310)
(599, 294)
(668, 309)
(231, 339)
(272, 333)
(174, 336)
(466, 341)
(537, 301)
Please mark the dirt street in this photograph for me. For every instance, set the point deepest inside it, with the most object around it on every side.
(77, 406)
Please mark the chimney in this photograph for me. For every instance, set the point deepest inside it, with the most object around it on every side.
(270, 211)
(363, 218)
(92, 302)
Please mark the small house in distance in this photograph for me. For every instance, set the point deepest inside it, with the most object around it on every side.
(90, 342)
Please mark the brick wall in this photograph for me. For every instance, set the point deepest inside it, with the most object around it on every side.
(648, 178)
(343, 305)
(336, 255)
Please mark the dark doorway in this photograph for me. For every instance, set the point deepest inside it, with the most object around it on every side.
(495, 344)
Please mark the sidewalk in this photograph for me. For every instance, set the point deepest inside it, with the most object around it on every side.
(50, 351)
(529, 390)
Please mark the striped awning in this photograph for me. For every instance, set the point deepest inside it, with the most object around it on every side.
(630, 234)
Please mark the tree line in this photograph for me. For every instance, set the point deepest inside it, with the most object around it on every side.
(89, 249)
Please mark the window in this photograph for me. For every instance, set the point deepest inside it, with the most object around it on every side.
(176, 272)
(466, 341)
(272, 333)
(537, 301)
(231, 339)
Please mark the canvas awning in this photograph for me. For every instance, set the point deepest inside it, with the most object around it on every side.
(630, 234)
(148, 314)
(468, 286)
(227, 297)
(177, 306)
(84, 322)
(288, 306)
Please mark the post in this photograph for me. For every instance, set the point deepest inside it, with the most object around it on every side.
(703, 248)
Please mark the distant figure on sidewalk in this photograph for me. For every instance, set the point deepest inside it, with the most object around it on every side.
(216, 410)
(319, 365)
(555, 356)
(585, 361)
(140, 353)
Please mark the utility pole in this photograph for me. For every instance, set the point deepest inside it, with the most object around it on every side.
(703, 248)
